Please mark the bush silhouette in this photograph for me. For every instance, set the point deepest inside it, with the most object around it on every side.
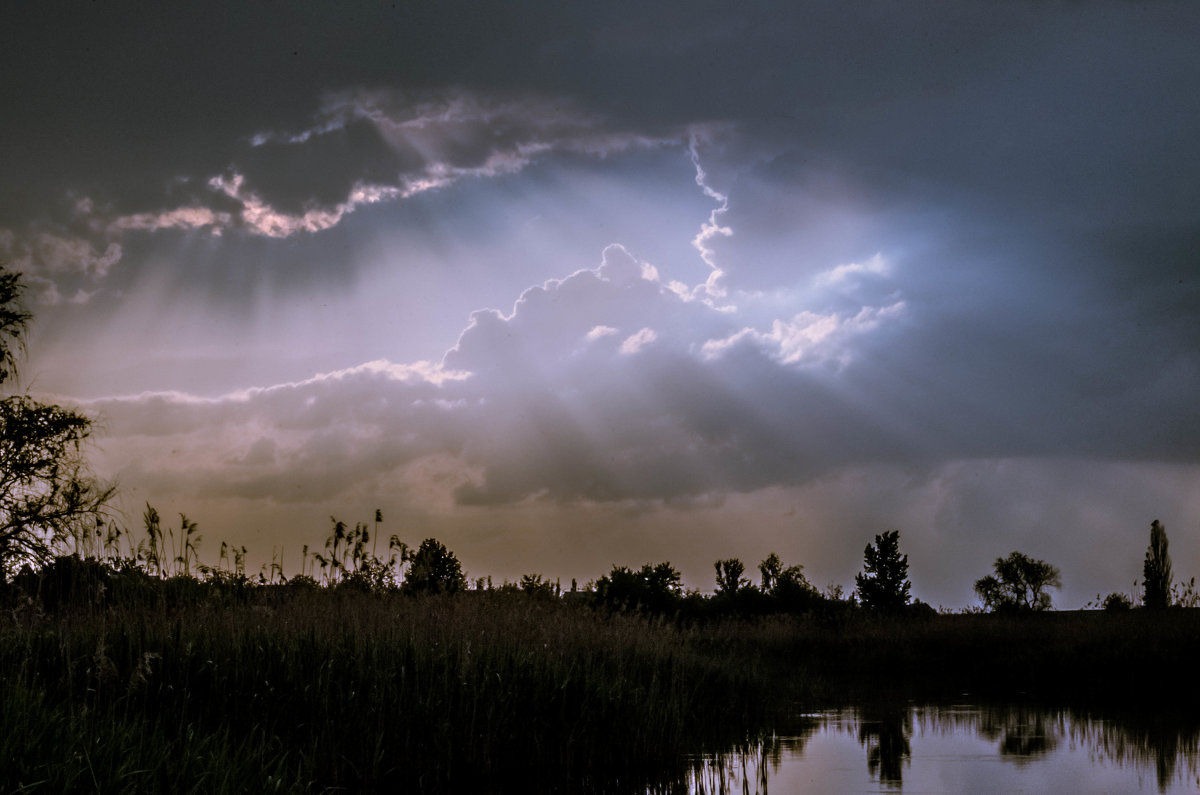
(1116, 602)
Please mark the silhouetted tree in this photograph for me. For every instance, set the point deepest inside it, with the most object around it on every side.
(787, 585)
(656, 588)
(47, 494)
(770, 569)
(433, 569)
(534, 585)
(729, 576)
(1156, 573)
(883, 583)
(1020, 583)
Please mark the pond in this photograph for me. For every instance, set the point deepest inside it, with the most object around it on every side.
(953, 748)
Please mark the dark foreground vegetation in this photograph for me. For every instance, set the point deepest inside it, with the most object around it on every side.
(113, 680)
(183, 686)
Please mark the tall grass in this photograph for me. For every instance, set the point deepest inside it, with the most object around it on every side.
(114, 678)
(318, 690)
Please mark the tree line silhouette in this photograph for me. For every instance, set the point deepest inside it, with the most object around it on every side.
(101, 553)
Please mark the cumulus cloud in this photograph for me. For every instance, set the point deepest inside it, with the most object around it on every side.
(638, 340)
(808, 337)
(841, 273)
(598, 332)
(548, 320)
(598, 387)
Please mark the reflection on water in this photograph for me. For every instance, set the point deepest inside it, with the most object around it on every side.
(884, 732)
(960, 748)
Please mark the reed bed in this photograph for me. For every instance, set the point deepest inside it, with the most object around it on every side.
(117, 681)
(326, 691)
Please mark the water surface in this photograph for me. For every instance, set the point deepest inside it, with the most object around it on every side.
(962, 748)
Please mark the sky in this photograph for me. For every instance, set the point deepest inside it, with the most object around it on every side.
(575, 285)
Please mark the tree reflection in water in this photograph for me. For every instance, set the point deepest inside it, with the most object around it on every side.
(1154, 740)
(1022, 734)
(747, 769)
(884, 731)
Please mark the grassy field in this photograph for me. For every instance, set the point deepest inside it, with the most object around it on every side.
(138, 684)
(307, 690)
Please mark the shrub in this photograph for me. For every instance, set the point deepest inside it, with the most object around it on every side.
(1116, 602)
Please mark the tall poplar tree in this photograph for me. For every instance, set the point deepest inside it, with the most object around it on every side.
(1156, 573)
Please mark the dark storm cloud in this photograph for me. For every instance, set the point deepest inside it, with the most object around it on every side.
(1029, 171)
(116, 100)
(118, 92)
(275, 176)
(1067, 111)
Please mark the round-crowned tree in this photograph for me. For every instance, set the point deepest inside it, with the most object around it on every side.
(1019, 584)
(433, 569)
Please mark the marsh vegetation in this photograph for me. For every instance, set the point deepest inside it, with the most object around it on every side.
(118, 679)
(177, 685)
